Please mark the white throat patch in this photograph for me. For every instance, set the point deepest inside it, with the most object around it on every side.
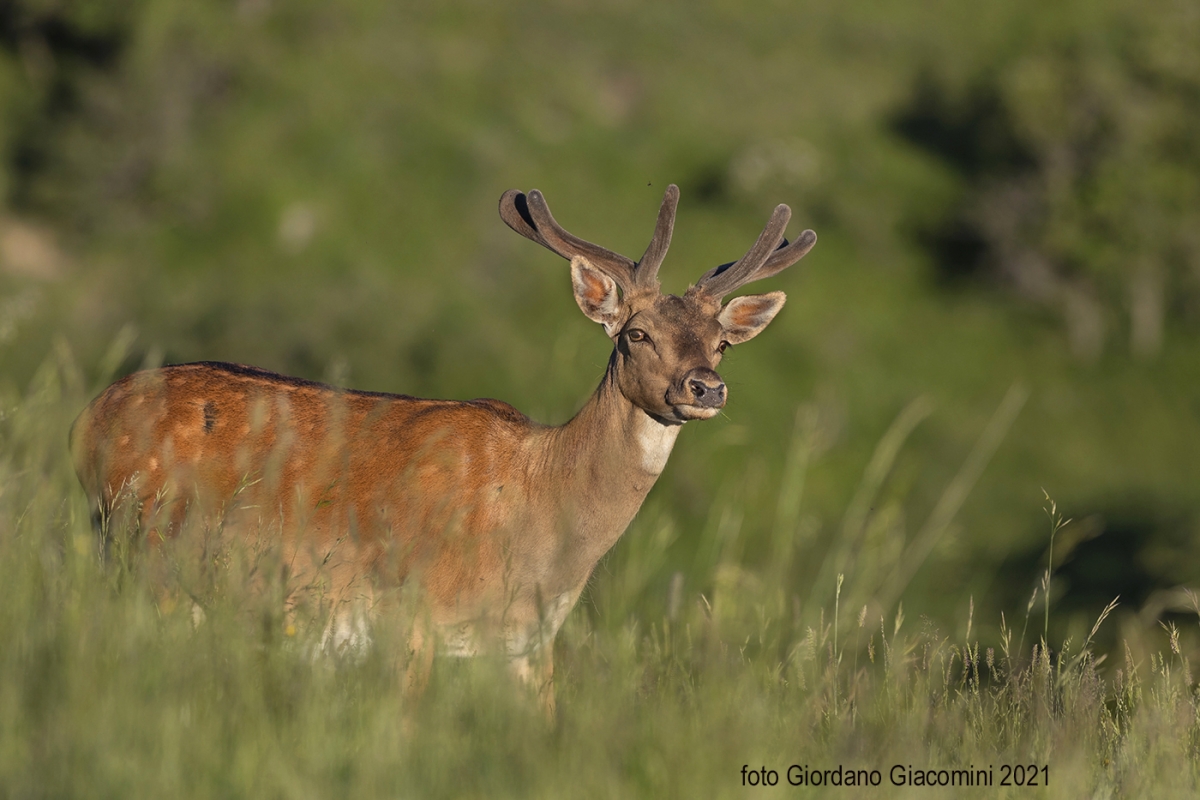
(655, 441)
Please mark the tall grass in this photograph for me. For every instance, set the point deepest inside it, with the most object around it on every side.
(672, 676)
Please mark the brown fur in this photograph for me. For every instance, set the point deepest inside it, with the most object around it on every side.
(497, 519)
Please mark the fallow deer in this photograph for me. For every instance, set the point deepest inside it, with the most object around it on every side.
(497, 519)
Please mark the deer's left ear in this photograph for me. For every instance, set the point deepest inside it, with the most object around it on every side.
(596, 294)
(743, 318)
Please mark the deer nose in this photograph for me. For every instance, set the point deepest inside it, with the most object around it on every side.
(706, 388)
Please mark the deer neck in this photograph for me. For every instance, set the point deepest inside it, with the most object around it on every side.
(607, 459)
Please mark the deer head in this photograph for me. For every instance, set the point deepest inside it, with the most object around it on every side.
(667, 347)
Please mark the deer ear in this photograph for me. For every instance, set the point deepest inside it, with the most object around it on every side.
(596, 294)
(743, 318)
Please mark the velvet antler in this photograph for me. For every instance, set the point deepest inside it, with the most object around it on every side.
(770, 255)
(530, 216)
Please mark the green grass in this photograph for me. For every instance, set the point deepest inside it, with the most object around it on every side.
(667, 685)
(311, 188)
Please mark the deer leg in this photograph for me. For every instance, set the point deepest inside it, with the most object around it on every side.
(545, 670)
(420, 662)
(536, 671)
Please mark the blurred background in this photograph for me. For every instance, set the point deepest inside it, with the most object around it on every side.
(1004, 302)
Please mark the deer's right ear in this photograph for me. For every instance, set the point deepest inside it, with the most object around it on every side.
(596, 294)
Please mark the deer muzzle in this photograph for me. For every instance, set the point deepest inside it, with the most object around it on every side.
(703, 388)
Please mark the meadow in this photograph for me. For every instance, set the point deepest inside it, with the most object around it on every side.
(857, 565)
(112, 689)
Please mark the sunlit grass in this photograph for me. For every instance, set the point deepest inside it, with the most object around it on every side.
(670, 679)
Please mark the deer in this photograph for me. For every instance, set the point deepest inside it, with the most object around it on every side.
(499, 521)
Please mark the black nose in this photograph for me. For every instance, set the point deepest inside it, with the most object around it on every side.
(706, 387)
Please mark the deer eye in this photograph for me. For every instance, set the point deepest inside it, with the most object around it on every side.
(722, 347)
(636, 335)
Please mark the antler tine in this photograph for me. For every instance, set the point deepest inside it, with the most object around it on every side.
(720, 281)
(615, 265)
(514, 210)
(647, 268)
(786, 255)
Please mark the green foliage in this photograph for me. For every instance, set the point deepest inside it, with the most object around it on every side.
(111, 687)
(310, 187)
(1080, 166)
